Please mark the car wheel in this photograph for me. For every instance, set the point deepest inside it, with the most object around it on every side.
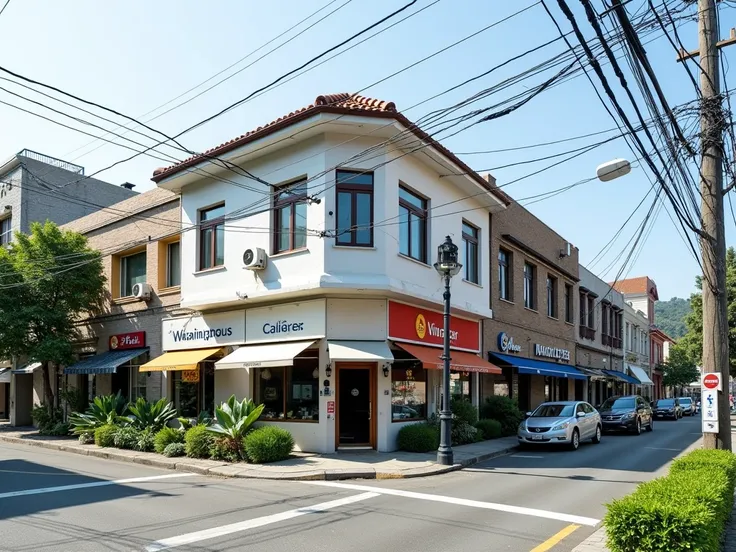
(575, 443)
(650, 427)
(637, 427)
(597, 437)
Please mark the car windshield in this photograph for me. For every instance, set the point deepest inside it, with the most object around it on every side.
(553, 411)
(685, 401)
(666, 402)
(616, 404)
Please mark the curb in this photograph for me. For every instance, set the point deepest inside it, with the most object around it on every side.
(248, 471)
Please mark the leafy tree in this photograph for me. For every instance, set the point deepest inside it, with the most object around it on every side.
(48, 280)
(693, 340)
(679, 370)
(670, 316)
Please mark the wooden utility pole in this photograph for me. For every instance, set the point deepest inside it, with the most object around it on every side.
(713, 238)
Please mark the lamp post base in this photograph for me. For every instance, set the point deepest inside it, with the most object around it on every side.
(445, 457)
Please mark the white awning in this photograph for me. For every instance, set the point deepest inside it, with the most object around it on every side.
(640, 374)
(263, 356)
(28, 368)
(4, 375)
(359, 351)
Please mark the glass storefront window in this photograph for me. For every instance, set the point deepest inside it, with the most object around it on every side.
(408, 394)
(194, 390)
(289, 392)
(460, 386)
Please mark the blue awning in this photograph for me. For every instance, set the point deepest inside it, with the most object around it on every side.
(622, 376)
(540, 367)
(105, 363)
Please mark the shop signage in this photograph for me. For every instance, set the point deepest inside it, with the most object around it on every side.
(209, 330)
(190, 376)
(552, 352)
(293, 321)
(418, 325)
(131, 340)
(506, 344)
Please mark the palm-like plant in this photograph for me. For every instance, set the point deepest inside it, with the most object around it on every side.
(235, 418)
(144, 414)
(102, 411)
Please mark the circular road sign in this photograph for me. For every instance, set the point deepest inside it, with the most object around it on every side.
(711, 381)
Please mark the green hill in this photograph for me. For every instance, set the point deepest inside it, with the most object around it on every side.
(669, 316)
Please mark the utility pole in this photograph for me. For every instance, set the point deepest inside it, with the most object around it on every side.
(713, 237)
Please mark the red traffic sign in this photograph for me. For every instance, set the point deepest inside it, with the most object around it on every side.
(712, 381)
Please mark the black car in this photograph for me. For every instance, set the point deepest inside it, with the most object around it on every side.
(668, 408)
(626, 413)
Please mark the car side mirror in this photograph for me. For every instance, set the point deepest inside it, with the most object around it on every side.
(581, 414)
(528, 415)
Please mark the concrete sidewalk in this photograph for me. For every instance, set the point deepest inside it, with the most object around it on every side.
(302, 466)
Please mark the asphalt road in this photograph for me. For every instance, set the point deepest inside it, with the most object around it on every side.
(53, 501)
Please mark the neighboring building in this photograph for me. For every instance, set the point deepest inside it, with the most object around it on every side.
(317, 293)
(534, 299)
(599, 348)
(139, 238)
(36, 188)
(659, 352)
(636, 348)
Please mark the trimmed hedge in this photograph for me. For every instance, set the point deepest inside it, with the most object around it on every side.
(491, 429)
(685, 511)
(105, 435)
(419, 437)
(268, 444)
(464, 410)
(505, 410)
(198, 441)
(165, 437)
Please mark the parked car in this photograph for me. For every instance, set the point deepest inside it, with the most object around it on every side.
(668, 408)
(565, 423)
(626, 413)
(687, 406)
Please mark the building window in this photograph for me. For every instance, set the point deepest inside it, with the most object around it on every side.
(212, 237)
(354, 208)
(194, 390)
(461, 386)
(504, 274)
(412, 225)
(408, 394)
(173, 264)
(290, 392)
(552, 296)
(583, 310)
(568, 304)
(132, 272)
(470, 241)
(605, 307)
(529, 286)
(591, 312)
(290, 217)
(6, 234)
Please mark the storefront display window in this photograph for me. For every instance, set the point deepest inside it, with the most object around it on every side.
(289, 392)
(461, 386)
(140, 382)
(408, 394)
(194, 390)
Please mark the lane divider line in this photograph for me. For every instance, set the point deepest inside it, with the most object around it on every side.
(534, 512)
(215, 532)
(556, 539)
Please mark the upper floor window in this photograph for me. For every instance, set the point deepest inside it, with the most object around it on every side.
(551, 296)
(583, 309)
(412, 225)
(354, 208)
(529, 285)
(568, 304)
(6, 234)
(605, 309)
(132, 272)
(173, 264)
(504, 274)
(212, 237)
(591, 312)
(290, 217)
(470, 241)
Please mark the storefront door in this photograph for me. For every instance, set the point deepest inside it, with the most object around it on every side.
(355, 405)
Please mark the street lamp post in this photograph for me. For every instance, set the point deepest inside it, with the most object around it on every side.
(447, 267)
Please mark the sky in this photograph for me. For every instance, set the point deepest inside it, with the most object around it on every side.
(137, 56)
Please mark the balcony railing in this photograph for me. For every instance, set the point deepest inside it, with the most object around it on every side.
(587, 333)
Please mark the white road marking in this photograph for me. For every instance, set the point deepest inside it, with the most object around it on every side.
(569, 518)
(215, 532)
(525, 456)
(61, 488)
(662, 448)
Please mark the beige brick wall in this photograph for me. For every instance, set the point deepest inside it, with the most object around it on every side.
(536, 391)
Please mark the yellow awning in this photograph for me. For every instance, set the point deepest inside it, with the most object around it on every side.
(178, 360)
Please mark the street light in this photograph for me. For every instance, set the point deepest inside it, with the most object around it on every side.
(447, 267)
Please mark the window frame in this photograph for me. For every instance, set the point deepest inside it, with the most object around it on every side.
(289, 371)
(504, 269)
(6, 236)
(552, 302)
(426, 395)
(122, 269)
(203, 227)
(422, 214)
(354, 190)
(470, 240)
(530, 282)
(569, 304)
(279, 205)
(591, 312)
(169, 272)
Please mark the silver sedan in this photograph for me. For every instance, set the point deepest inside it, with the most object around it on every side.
(561, 422)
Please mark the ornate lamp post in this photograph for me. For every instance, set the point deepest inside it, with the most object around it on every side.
(447, 267)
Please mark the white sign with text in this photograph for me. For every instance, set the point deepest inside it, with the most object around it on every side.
(200, 332)
(291, 322)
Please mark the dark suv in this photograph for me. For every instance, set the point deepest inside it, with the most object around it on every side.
(627, 413)
(668, 408)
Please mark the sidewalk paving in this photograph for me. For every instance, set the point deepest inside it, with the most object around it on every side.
(302, 466)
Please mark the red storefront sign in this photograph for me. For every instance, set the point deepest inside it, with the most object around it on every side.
(425, 326)
(132, 340)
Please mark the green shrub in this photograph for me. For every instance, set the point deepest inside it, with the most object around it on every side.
(155, 415)
(46, 421)
(226, 450)
(464, 410)
(505, 410)
(105, 435)
(127, 437)
(167, 436)
(268, 444)
(146, 440)
(198, 442)
(419, 437)
(105, 410)
(463, 433)
(86, 438)
(721, 460)
(491, 429)
(175, 449)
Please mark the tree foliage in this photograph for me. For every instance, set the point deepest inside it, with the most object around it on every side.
(48, 280)
(670, 316)
(679, 370)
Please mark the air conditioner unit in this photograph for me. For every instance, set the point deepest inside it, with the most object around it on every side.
(142, 291)
(254, 258)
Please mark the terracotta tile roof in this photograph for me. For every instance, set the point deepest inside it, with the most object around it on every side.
(340, 104)
(631, 285)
